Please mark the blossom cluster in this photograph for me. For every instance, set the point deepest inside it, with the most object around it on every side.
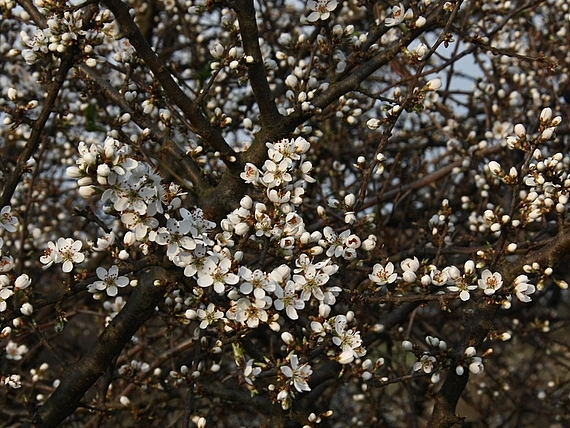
(451, 277)
(545, 180)
(61, 32)
(525, 141)
(437, 356)
(153, 216)
(131, 188)
(283, 185)
(292, 259)
(548, 187)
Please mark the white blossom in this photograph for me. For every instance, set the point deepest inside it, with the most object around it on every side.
(8, 221)
(321, 9)
(216, 272)
(109, 282)
(299, 375)
(425, 364)
(490, 282)
(383, 274)
(14, 351)
(399, 14)
(523, 288)
(209, 315)
(66, 251)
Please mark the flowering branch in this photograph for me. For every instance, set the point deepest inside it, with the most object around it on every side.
(202, 127)
(36, 136)
(480, 322)
(167, 145)
(81, 376)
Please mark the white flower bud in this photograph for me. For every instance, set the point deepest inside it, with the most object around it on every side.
(520, 130)
(420, 22)
(315, 251)
(373, 124)
(73, 172)
(409, 276)
(547, 134)
(22, 282)
(433, 84)
(241, 228)
(287, 338)
(191, 314)
(546, 115)
(495, 168)
(217, 51)
(246, 202)
(12, 94)
(87, 191)
(103, 170)
(292, 81)
(27, 309)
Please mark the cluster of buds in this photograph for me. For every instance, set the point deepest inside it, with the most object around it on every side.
(546, 131)
(548, 186)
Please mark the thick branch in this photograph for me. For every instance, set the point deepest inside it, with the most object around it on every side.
(548, 255)
(250, 37)
(479, 324)
(81, 376)
(477, 327)
(35, 14)
(208, 133)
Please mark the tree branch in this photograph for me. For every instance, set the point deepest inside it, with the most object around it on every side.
(208, 133)
(36, 15)
(33, 143)
(269, 114)
(353, 80)
(476, 329)
(480, 323)
(80, 377)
